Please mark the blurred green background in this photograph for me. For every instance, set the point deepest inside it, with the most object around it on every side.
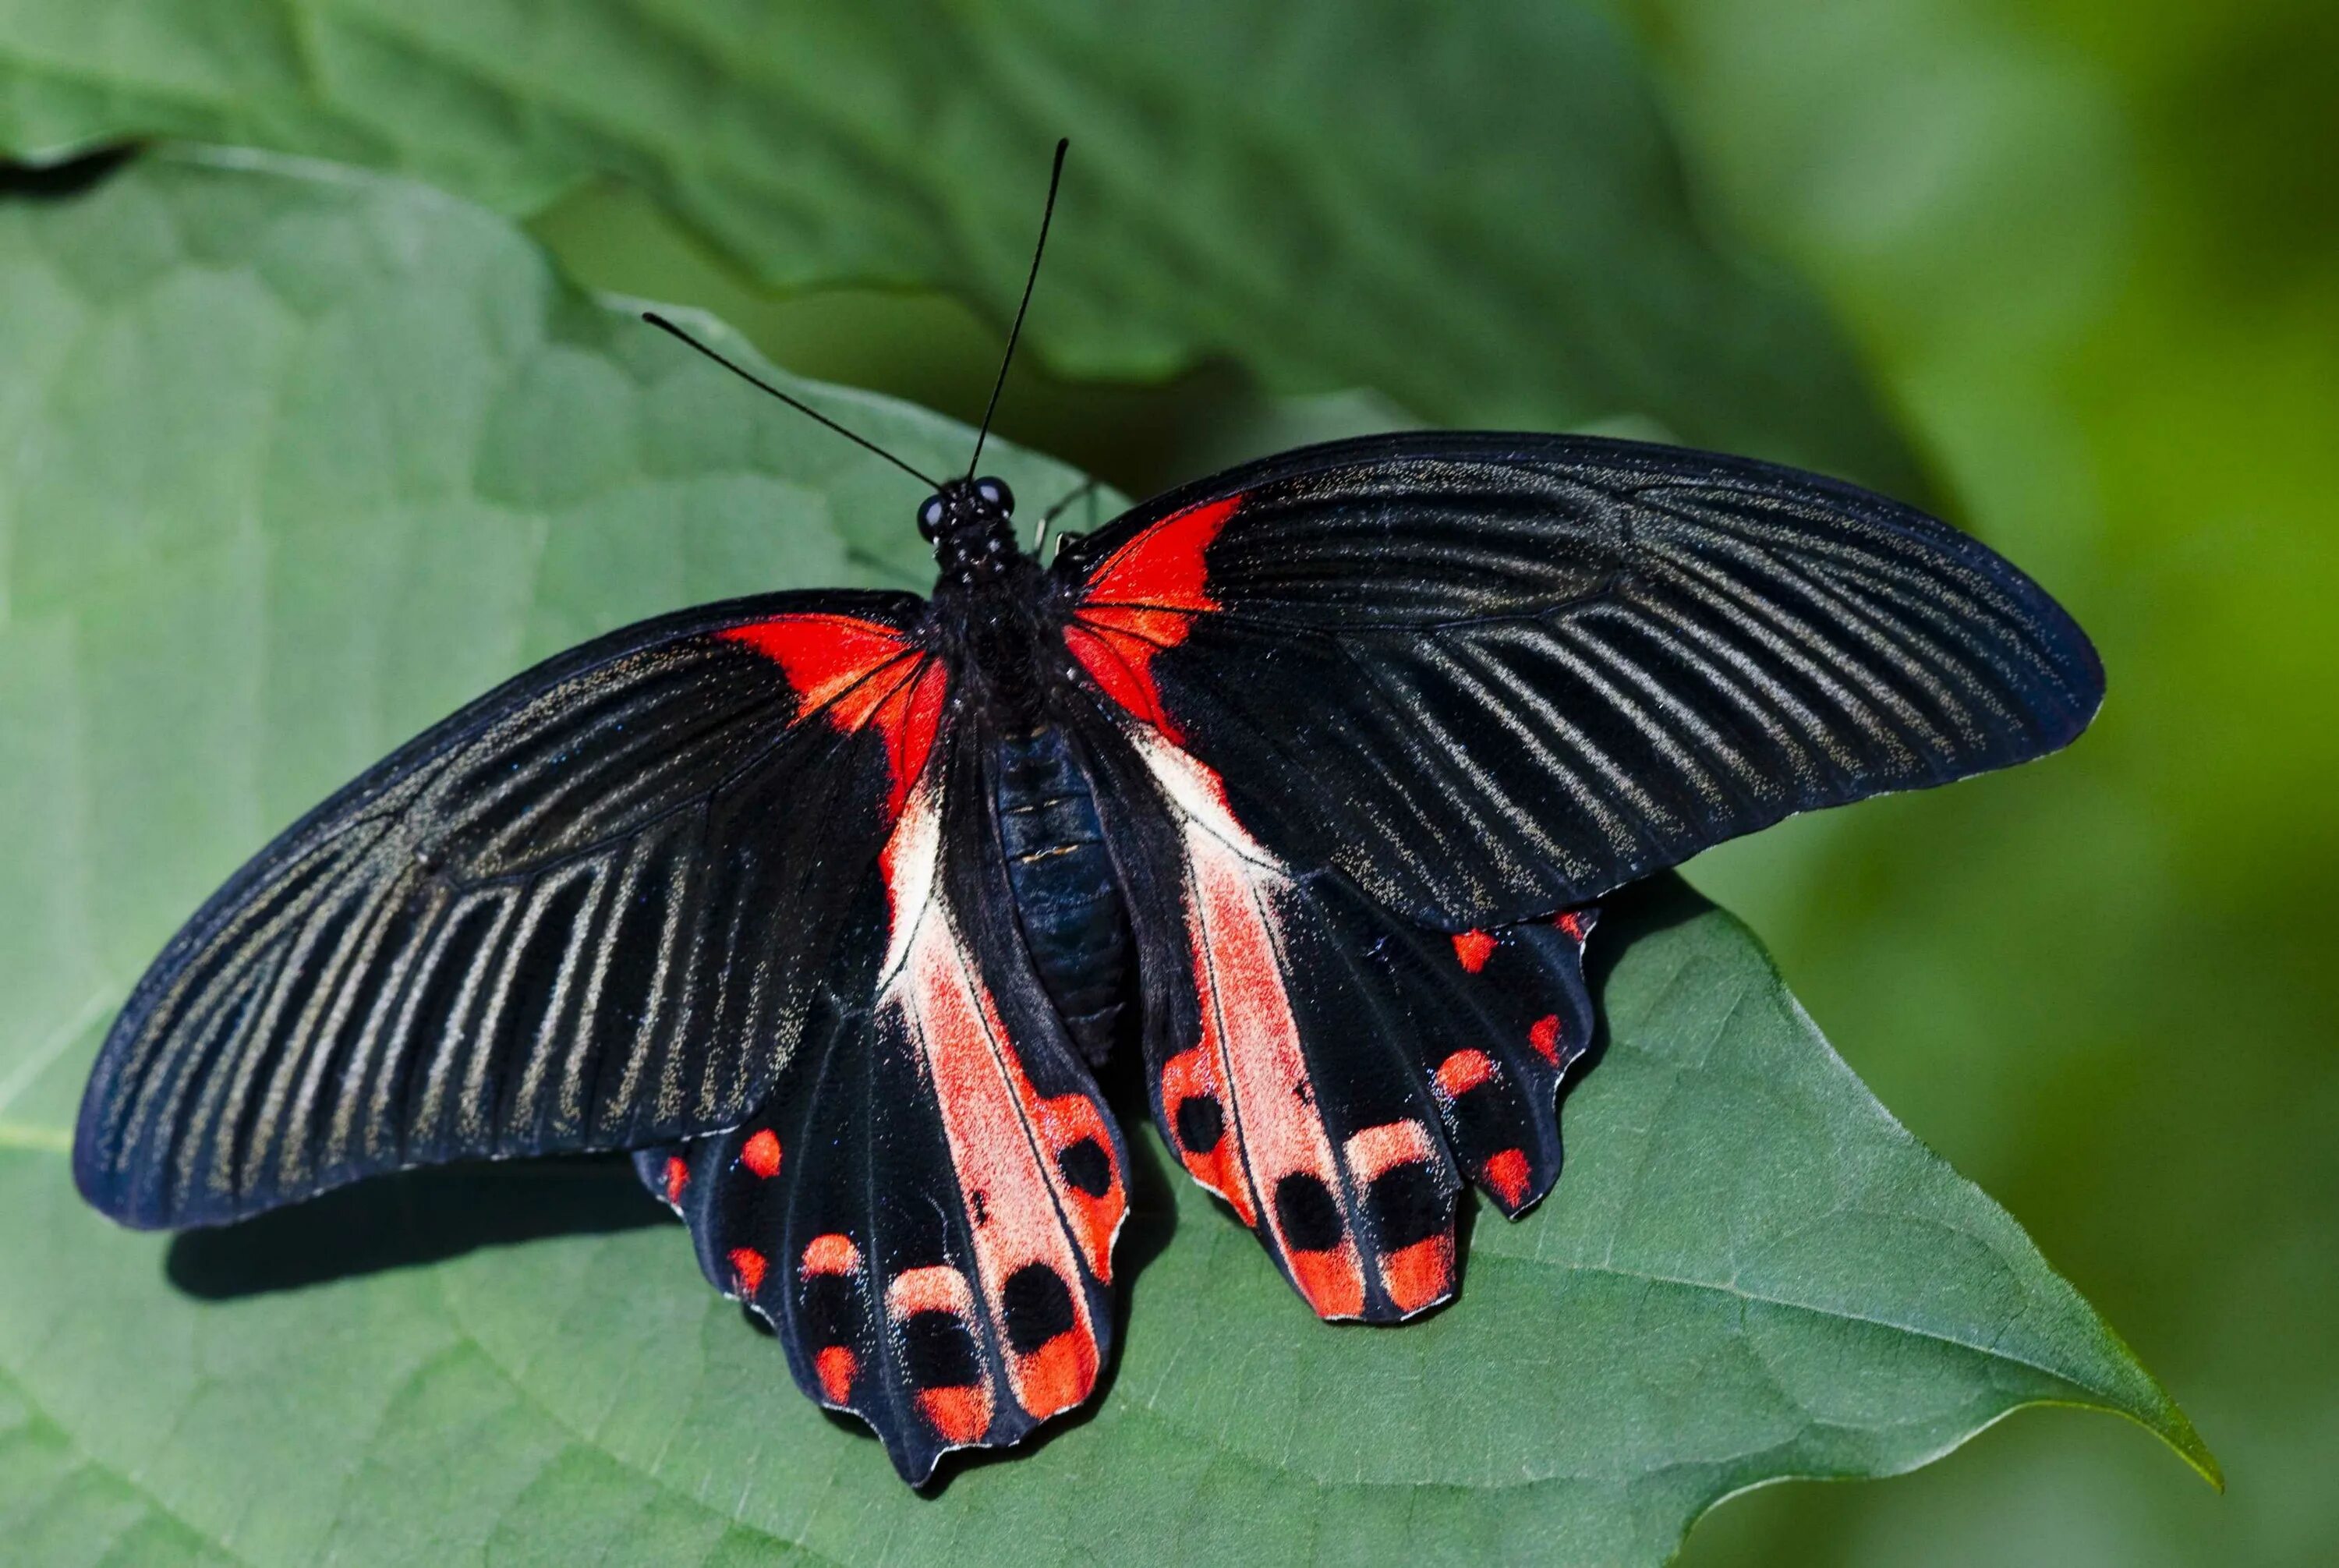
(2088, 253)
(2092, 252)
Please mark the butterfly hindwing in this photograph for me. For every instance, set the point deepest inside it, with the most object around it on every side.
(1488, 676)
(926, 1209)
(586, 911)
(1334, 1072)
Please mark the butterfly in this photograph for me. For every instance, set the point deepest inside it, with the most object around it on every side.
(1302, 781)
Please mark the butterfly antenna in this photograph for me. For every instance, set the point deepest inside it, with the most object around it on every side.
(663, 325)
(1047, 519)
(1055, 177)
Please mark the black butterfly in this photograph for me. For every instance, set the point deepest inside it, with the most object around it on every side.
(824, 904)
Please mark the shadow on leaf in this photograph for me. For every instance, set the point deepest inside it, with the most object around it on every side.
(417, 1216)
(58, 181)
(1628, 915)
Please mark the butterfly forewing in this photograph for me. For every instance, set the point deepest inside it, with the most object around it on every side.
(1490, 677)
(586, 911)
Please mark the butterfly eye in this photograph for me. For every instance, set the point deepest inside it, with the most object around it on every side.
(994, 492)
(929, 518)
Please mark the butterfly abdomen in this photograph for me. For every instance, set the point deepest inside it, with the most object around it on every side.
(1066, 899)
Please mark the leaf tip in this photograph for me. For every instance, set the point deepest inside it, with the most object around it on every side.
(2177, 1431)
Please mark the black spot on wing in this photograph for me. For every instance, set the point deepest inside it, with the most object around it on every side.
(1200, 1123)
(1308, 1213)
(1408, 1204)
(937, 1352)
(1087, 1167)
(1038, 1307)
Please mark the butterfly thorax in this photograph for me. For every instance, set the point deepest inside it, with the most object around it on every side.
(992, 637)
(990, 621)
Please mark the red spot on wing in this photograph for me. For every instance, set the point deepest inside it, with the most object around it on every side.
(1462, 1071)
(961, 1415)
(961, 1412)
(835, 1368)
(748, 1264)
(937, 1287)
(1544, 1035)
(1329, 1280)
(1061, 1122)
(1474, 948)
(761, 1154)
(1508, 1173)
(1143, 598)
(832, 1254)
(1574, 924)
(1417, 1275)
(677, 1177)
(1376, 1149)
(1059, 1375)
(858, 673)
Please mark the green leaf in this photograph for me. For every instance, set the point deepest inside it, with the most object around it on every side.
(1475, 211)
(295, 464)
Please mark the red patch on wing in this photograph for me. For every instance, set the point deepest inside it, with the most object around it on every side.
(1376, 1149)
(1416, 1275)
(1007, 1144)
(749, 1264)
(1240, 1100)
(677, 1177)
(1474, 948)
(1462, 1071)
(832, 1254)
(961, 1412)
(1252, 1039)
(835, 1367)
(1544, 1035)
(1143, 598)
(1059, 1375)
(1062, 1122)
(761, 1154)
(961, 1415)
(1573, 924)
(1508, 1172)
(936, 1287)
(858, 673)
(1329, 1280)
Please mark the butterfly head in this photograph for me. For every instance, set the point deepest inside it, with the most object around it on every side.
(971, 523)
